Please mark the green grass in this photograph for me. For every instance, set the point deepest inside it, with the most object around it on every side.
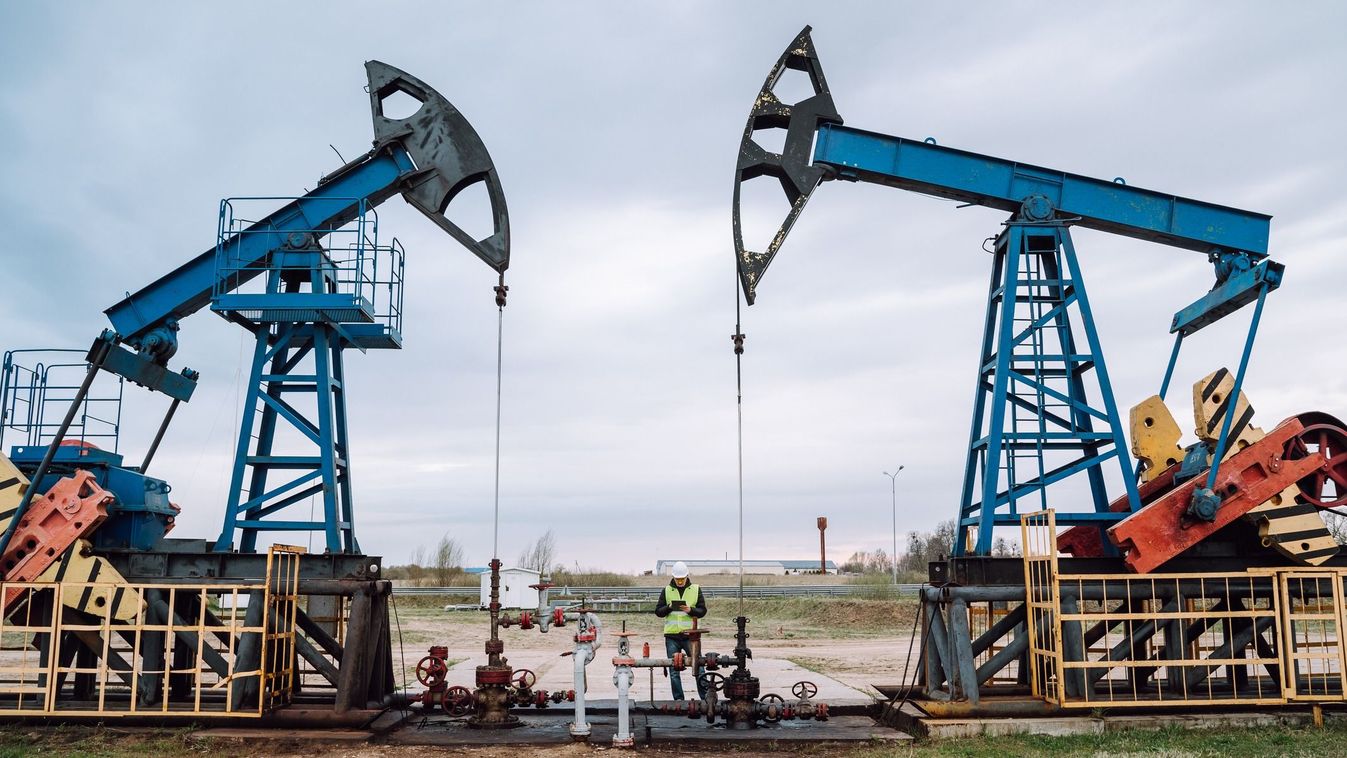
(592, 578)
(1170, 741)
(111, 742)
(97, 742)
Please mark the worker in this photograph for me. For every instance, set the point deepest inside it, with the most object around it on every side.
(680, 603)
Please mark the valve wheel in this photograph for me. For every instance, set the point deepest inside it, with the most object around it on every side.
(773, 703)
(712, 681)
(1325, 487)
(457, 700)
(430, 670)
(804, 690)
(524, 679)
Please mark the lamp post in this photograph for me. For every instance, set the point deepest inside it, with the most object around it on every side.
(893, 485)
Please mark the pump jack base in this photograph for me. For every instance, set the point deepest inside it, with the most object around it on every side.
(510, 722)
(552, 727)
(1001, 716)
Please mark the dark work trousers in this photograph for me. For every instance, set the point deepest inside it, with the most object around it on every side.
(673, 645)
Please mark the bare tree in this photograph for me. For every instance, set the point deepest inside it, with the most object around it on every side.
(1004, 548)
(540, 554)
(448, 560)
(416, 570)
(1337, 525)
(856, 563)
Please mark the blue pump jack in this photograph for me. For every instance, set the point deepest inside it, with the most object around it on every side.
(1043, 410)
(309, 280)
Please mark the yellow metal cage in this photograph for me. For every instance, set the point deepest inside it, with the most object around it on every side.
(1261, 636)
(183, 649)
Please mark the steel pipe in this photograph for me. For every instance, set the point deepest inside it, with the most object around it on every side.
(974, 593)
(579, 727)
(623, 678)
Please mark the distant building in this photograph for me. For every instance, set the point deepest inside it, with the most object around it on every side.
(515, 591)
(716, 566)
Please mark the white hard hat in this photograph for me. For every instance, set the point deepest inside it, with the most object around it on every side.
(680, 570)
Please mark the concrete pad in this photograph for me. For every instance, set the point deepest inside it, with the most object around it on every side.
(552, 728)
(946, 728)
(837, 729)
(317, 735)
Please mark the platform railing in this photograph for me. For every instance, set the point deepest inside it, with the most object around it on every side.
(350, 261)
(36, 388)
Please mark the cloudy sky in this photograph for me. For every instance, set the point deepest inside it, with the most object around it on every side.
(615, 127)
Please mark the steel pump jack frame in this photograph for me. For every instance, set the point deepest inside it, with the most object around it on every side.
(1044, 410)
(314, 303)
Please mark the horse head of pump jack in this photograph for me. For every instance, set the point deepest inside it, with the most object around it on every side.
(791, 167)
(449, 157)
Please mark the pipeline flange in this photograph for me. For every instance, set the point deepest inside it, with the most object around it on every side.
(743, 689)
(494, 676)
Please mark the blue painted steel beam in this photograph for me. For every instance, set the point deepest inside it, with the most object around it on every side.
(188, 288)
(1227, 297)
(1084, 517)
(1002, 184)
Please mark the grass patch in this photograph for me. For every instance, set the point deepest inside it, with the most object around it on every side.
(1169, 741)
(97, 742)
(592, 578)
(816, 665)
(112, 742)
(823, 616)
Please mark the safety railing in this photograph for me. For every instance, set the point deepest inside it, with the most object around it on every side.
(1256, 637)
(1038, 535)
(276, 268)
(181, 655)
(36, 389)
(279, 658)
(1311, 623)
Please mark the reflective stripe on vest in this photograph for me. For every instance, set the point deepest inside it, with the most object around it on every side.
(678, 622)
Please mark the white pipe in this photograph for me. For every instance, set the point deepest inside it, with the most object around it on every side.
(622, 678)
(583, 652)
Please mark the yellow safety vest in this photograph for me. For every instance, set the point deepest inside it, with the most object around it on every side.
(678, 622)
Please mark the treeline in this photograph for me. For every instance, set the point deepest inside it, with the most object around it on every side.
(442, 564)
(919, 549)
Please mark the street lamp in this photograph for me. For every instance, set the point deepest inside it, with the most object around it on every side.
(893, 485)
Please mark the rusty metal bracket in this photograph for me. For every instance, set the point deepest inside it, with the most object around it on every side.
(792, 166)
(1160, 531)
(69, 510)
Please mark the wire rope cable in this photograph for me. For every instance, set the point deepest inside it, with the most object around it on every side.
(739, 408)
(500, 334)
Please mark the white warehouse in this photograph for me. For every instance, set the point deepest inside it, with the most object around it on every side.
(716, 566)
(515, 591)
